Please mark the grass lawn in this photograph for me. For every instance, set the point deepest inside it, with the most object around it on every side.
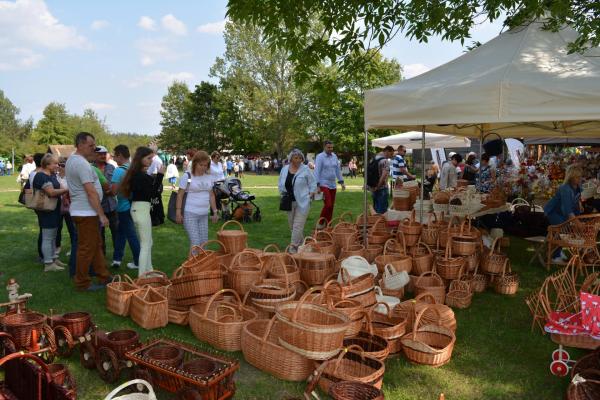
(495, 357)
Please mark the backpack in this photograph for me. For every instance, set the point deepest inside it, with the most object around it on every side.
(373, 172)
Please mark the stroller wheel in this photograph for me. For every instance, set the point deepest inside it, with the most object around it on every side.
(257, 217)
(225, 215)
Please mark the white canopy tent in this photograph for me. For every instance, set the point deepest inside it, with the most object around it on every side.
(412, 140)
(522, 83)
(519, 84)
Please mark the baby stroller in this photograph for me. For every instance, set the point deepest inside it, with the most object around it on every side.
(235, 202)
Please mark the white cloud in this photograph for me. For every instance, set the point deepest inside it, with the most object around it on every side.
(411, 70)
(99, 24)
(158, 49)
(98, 106)
(27, 28)
(213, 28)
(147, 23)
(159, 77)
(173, 25)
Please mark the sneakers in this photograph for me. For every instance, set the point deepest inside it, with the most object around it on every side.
(321, 225)
(558, 260)
(132, 266)
(115, 264)
(59, 263)
(57, 251)
(52, 267)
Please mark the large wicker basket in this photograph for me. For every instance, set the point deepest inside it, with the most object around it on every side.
(21, 325)
(150, 309)
(221, 325)
(428, 345)
(449, 267)
(119, 293)
(432, 283)
(422, 258)
(466, 242)
(188, 288)
(233, 240)
(411, 230)
(492, 262)
(200, 260)
(223, 257)
(311, 330)
(246, 269)
(315, 267)
(261, 348)
(354, 390)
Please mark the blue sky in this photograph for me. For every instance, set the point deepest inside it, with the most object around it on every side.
(118, 57)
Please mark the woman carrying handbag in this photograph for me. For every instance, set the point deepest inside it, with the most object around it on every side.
(195, 197)
(296, 185)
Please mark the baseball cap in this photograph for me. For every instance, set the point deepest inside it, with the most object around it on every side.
(449, 154)
(101, 149)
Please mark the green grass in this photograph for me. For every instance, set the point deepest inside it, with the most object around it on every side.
(495, 357)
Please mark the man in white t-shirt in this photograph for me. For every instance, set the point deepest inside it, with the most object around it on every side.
(155, 166)
(86, 211)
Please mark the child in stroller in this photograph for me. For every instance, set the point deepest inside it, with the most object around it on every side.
(235, 202)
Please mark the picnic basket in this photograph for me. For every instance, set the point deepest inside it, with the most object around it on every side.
(311, 330)
(157, 279)
(449, 267)
(187, 288)
(351, 365)
(315, 267)
(466, 241)
(459, 293)
(119, 293)
(411, 230)
(429, 232)
(245, 270)
(371, 344)
(234, 240)
(422, 258)
(389, 326)
(508, 282)
(261, 348)
(493, 262)
(223, 257)
(354, 390)
(200, 260)
(431, 344)
(149, 309)
(432, 283)
(221, 325)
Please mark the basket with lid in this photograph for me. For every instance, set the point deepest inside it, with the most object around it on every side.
(233, 240)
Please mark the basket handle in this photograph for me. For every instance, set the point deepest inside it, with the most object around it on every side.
(389, 271)
(418, 317)
(302, 301)
(219, 293)
(228, 307)
(345, 276)
(116, 278)
(272, 246)
(151, 394)
(347, 215)
(268, 329)
(400, 235)
(223, 249)
(178, 273)
(323, 233)
(433, 274)
(413, 216)
(425, 294)
(494, 244)
(128, 279)
(386, 305)
(232, 221)
(244, 252)
(361, 352)
(195, 252)
(155, 272)
(506, 264)
(388, 243)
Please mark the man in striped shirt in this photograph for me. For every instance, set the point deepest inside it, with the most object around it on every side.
(400, 171)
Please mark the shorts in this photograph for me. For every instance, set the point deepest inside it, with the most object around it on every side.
(172, 180)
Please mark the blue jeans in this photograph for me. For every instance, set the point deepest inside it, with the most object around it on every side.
(126, 233)
(380, 200)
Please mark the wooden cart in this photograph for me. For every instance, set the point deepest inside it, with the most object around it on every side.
(199, 376)
(71, 329)
(28, 332)
(106, 352)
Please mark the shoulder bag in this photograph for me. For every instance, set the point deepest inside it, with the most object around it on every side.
(172, 207)
(285, 202)
(40, 201)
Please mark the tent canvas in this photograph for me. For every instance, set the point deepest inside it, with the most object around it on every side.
(562, 140)
(412, 140)
(520, 84)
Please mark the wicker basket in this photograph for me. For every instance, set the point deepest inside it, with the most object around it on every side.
(459, 294)
(200, 260)
(466, 242)
(350, 286)
(267, 293)
(315, 267)
(411, 230)
(428, 345)
(478, 281)
(77, 323)
(585, 385)
(150, 309)
(311, 330)
(372, 251)
(157, 279)
(246, 269)
(402, 203)
(354, 391)
(429, 232)
(119, 294)
(187, 289)
(221, 325)
(171, 356)
(399, 260)
(508, 282)
(353, 309)
(399, 293)
(352, 250)
(234, 241)
(449, 267)
(493, 261)
(223, 257)
(370, 343)
(261, 348)
(21, 325)
(448, 230)
(389, 326)
(179, 315)
(352, 365)
(343, 235)
(432, 283)
(422, 260)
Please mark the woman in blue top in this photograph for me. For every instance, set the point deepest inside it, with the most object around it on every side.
(47, 181)
(565, 204)
(297, 180)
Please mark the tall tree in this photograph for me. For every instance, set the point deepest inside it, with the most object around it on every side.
(258, 82)
(201, 116)
(53, 128)
(173, 121)
(14, 134)
(352, 26)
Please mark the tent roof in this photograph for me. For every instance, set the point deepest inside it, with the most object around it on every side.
(520, 84)
(412, 140)
(574, 141)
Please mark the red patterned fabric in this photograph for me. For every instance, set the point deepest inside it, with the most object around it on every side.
(586, 322)
(590, 313)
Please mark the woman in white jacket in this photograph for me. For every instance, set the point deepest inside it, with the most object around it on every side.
(297, 180)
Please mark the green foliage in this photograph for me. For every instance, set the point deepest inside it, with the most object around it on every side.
(14, 133)
(53, 128)
(349, 27)
(173, 117)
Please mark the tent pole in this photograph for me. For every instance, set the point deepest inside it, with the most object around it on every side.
(480, 144)
(365, 190)
(422, 172)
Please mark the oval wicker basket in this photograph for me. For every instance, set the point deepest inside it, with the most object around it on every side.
(187, 289)
(246, 269)
(422, 260)
(389, 326)
(234, 240)
(354, 391)
(223, 257)
(432, 283)
(20, 326)
(493, 262)
(315, 267)
(370, 343)
(170, 356)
